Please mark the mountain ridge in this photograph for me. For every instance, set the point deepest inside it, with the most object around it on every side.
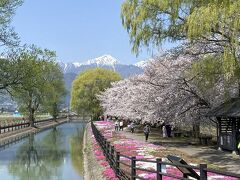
(72, 69)
(105, 61)
(101, 61)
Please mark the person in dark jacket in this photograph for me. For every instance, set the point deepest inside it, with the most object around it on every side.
(168, 129)
(132, 127)
(146, 131)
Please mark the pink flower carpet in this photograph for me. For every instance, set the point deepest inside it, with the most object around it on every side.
(141, 150)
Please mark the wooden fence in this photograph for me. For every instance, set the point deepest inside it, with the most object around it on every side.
(23, 124)
(14, 140)
(113, 157)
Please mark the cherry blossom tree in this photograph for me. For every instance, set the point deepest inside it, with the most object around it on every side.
(175, 87)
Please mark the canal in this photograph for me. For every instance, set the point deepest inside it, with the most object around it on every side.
(53, 154)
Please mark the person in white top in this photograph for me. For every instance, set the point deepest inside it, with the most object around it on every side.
(164, 131)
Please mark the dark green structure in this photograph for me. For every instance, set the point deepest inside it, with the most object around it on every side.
(228, 124)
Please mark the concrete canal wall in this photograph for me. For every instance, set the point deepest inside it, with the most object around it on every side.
(8, 136)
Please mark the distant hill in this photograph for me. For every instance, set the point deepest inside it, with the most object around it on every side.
(71, 70)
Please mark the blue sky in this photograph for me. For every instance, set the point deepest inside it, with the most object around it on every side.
(77, 30)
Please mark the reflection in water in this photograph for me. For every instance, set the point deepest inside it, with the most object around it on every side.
(38, 160)
(54, 154)
(76, 146)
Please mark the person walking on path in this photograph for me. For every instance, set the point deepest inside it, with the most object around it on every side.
(121, 125)
(132, 127)
(164, 131)
(116, 125)
(146, 131)
(238, 146)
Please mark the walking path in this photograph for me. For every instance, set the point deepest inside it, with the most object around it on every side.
(133, 145)
(224, 160)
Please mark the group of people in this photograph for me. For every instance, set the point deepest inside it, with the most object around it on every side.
(104, 118)
(118, 125)
(166, 130)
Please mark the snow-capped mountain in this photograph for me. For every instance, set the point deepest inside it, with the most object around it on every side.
(71, 70)
(77, 64)
(141, 64)
(107, 60)
(144, 63)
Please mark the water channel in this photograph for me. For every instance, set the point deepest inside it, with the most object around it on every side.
(53, 154)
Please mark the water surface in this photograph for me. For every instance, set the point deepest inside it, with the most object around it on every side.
(53, 154)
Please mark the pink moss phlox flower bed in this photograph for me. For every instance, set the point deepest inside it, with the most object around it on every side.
(97, 152)
(141, 150)
(104, 163)
(108, 173)
(139, 157)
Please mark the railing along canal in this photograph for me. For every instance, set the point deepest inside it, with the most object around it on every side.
(23, 124)
(7, 143)
(113, 157)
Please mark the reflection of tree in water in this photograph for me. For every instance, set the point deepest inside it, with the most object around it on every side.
(39, 160)
(76, 146)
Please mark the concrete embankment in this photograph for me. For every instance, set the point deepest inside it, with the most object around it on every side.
(92, 169)
(24, 131)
